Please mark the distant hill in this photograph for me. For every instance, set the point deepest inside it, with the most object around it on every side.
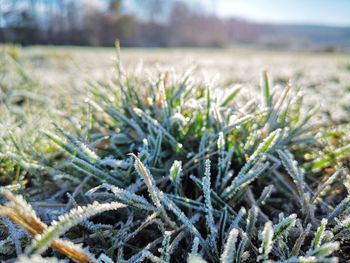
(311, 37)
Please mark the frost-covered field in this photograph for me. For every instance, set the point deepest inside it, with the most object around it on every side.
(174, 155)
(323, 77)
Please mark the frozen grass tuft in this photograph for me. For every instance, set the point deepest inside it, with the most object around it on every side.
(169, 169)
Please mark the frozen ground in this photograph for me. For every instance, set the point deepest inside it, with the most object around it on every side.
(324, 78)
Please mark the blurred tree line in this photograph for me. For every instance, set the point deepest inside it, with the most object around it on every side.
(100, 22)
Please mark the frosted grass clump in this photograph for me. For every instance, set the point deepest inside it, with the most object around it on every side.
(202, 174)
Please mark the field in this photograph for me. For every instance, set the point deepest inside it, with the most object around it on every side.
(204, 155)
(323, 77)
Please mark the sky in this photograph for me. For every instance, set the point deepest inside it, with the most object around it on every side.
(324, 12)
(320, 12)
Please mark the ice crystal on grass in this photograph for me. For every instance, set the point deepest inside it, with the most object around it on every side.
(37, 259)
(229, 253)
(295, 172)
(317, 241)
(209, 208)
(284, 226)
(195, 259)
(340, 208)
(15, 235)
(165, 256)
(65, 222)
(251, 220)
(121, 195)
(266, 238)
(19, 211)
(153, 191)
